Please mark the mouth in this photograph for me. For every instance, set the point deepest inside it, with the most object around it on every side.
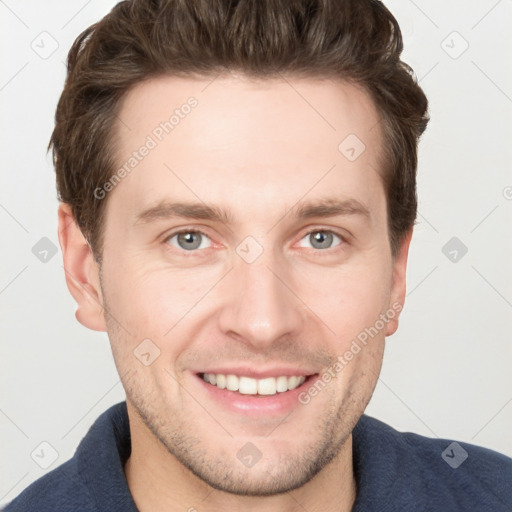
(258, 395)
(246, 385)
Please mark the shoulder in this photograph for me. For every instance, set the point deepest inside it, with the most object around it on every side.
(439, 474)
(61, 489)
(93, 479)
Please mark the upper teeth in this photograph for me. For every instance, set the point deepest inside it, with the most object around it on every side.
(250, 386)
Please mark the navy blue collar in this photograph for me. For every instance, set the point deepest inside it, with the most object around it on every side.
(101, 457)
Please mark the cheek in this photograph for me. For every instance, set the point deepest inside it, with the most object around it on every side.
(348, 299)
(150, 299)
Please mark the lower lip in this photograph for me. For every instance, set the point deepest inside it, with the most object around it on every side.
(278, 404)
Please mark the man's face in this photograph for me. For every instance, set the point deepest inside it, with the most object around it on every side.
(273, 291)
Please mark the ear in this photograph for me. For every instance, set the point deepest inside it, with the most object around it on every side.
(81, 270)
(397, 297)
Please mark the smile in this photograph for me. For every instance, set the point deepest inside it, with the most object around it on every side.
(250, 386)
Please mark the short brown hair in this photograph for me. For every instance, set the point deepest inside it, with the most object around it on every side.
(354, 40)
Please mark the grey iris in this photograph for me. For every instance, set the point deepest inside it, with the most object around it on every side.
(189, 240)
(321, 239)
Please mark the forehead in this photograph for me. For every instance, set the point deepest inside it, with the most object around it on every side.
(268, 142)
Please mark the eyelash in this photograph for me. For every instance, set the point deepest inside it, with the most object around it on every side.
(313, 230)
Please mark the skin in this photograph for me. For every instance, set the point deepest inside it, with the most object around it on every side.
(258, 149)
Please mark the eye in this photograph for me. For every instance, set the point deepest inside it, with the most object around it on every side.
(189, 240)
(320, 239)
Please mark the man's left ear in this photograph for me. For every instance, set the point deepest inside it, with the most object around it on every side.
(397, 297)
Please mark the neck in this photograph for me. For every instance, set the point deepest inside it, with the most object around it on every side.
(158, 482)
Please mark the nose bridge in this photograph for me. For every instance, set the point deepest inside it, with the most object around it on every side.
(260, 308)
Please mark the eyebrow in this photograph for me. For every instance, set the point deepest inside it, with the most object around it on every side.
(328, 207)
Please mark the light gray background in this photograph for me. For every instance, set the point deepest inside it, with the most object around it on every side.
(447, 372)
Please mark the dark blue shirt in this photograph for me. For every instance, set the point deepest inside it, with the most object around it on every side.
(394, 472)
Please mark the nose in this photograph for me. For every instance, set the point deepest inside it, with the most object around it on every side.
(260, 307)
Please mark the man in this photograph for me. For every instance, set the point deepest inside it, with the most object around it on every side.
(246, 252)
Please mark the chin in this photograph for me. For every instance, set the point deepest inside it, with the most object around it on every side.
(261, 474)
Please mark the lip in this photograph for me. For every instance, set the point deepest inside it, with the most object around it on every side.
(241, 371)
(279, 404)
